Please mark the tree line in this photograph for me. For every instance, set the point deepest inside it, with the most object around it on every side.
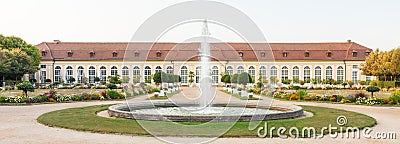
(383, 64)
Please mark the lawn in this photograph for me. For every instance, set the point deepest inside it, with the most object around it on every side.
(85, 119)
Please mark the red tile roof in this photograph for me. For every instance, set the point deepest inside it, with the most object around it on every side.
(189, 51)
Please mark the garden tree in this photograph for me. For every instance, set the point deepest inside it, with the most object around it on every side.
(296, 80)
(385, 65)
(244, 78)
(47, 80)
(25, 87)
(263, 79)
(114, 79)
(301, 82)
(361, 82)
(191, 75)
(96, 79)
(286, 81)
(71, 79)
(273, 79)
(226, 79)
(307, 80)
(4, 63)
(372, 89)
(136, 79)
(157, 78)
(234, 78)
(344, 84)
(371, 66)
(85, 80)
(396, 63)
(351, 83)
(125, 79)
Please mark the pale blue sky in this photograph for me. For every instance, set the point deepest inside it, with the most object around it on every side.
(375, 24)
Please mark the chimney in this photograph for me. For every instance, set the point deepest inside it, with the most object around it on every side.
(349, 41)
(57, 41)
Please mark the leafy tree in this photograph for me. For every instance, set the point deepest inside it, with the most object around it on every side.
(296, 80)
(157, 78)
(71, 79)
(136, 79)
(191, 75)
(351, 83)
(96, 79)
(301, 82)
(12, 42)
(125, 79)
(234, 78)
(226, 78)
(25, 87)
(372, 89)
(244, 78)
(362, 82)
(114, 79)
(47, 80)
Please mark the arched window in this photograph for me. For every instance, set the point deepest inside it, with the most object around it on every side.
(114, 71)
(184, 75)
(240, 70)
(340, 73)
(318, 76)
(147, 73)
(263, 73)
(229, 70)
(158, 69)
(125, 74)
(215, 74)
(329, 73)
(198, 73)
(252, 72)
(81, 74)
(92, 74)
(103, 73)
(307, 74)
(170, 70)
(285, 73)
(57, 74)
(274, 74)
(296, 75)
(69, 73)
(136, 74)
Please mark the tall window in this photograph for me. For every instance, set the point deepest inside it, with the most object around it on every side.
(307, 73)
(114, 71)
(240, 70)
(147, 72)
(354, 76)
(252, 71)
(318, 73)
(43, 76)
(170, 70)
(263, 73)
(69, 73)
(136, 73)
(184, 75)
(274, 74)
(198, 73)
(296, 72)
(81, 74)
(285, 73)
(215, 74)
(229, 70)
(329, 72)
(92, 74)
(103, 73)
(125, 72)
(340, 72)
(57, 74)
(158, 69)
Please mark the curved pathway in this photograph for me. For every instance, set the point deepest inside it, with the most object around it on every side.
(19, 125)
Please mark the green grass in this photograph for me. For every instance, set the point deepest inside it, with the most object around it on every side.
(85, 119)
(240, 97)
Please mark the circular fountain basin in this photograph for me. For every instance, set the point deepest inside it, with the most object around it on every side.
(183, 112)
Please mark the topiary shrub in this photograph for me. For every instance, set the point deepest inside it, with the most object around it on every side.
(372, 89)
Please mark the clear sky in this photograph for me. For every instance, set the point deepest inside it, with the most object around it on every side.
(373, 23)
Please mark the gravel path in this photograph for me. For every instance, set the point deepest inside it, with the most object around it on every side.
(19, 125)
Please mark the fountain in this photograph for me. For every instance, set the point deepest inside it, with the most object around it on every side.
(204, 110)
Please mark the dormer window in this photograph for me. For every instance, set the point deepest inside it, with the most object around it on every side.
(44, 53)
(329, 54)
(262, 54)
(70, 53)
(307, 54)
(241, 54)
(354, 54)
(136, 54)
(285, 54)
(114, 54)
(92, 53)
(158, 54)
